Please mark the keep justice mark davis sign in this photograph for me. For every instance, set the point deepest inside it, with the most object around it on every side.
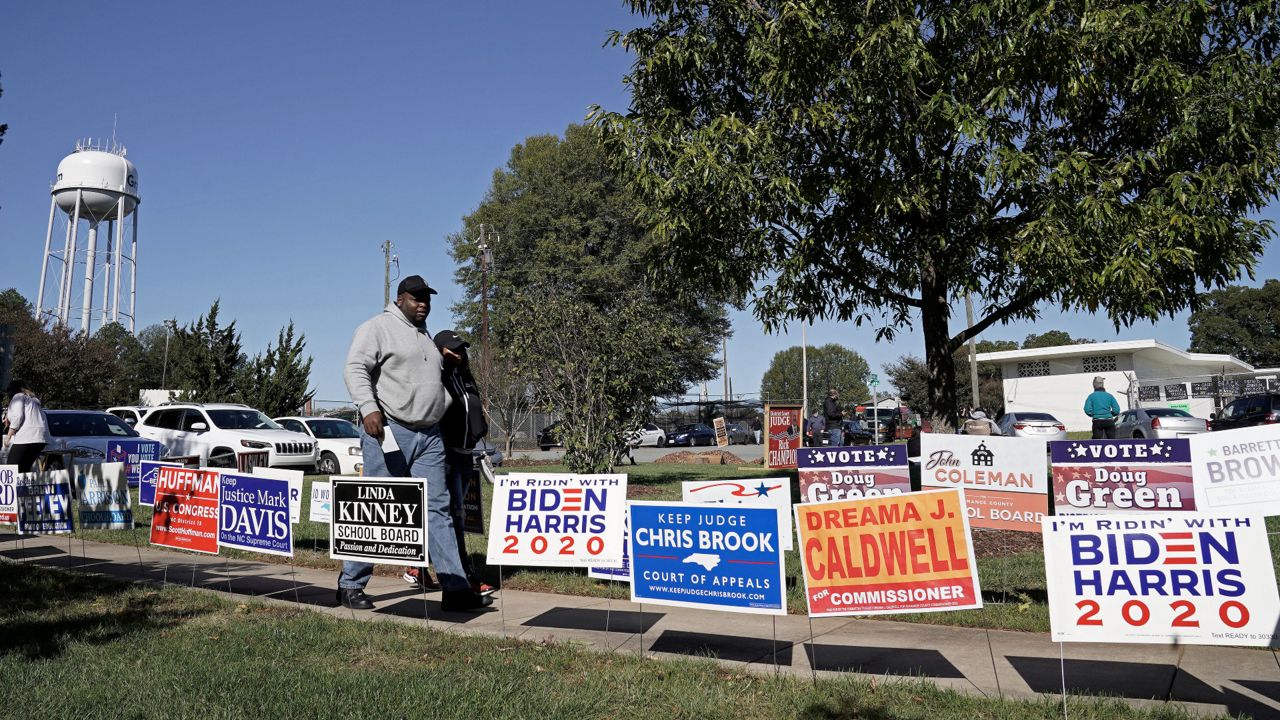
(853, 472)
(1161, 578)
(1106, 476)
(379, 520)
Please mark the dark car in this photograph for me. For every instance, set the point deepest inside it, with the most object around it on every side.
(549, 437)
(692, 434)
(85, 434)
(1247, 411)
(856, 433)
(888, 425)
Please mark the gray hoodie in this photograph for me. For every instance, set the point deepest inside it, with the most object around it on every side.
(394, 367)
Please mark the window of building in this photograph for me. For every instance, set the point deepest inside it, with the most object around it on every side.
(1038, 368)
(1100, 363)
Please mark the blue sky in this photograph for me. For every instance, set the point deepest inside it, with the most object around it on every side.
(277, 149)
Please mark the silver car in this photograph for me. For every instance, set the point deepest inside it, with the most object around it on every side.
(1159, 423)
(1041, 426)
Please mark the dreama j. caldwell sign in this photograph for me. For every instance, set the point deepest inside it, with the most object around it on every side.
(724, 557)
(781, 436)
(837, 473)
(893, 554)
(1108, 476)
(379, 520)
(1160, 578)
(557, 520)
(1005, 479)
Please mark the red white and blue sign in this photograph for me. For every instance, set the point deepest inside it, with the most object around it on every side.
(1132, 474)
(253, 514)
(621, 574)
(847, 473)
(132, 453)
(1171, 578)
(715, 557)
(767, 492)
(44, 503)
(557, 520)
(147, 472)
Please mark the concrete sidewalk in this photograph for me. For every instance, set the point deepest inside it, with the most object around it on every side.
(992, 663)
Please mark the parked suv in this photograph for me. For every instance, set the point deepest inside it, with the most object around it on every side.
(337, 443)
(216, 432)
(1247, 411)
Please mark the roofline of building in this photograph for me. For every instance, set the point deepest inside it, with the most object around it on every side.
(1065, 351)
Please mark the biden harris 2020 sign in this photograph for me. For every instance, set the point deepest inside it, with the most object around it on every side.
(725, 557)
(557, 520)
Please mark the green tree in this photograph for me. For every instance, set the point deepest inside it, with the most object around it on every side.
(571, 306)
(910, 377)
(65, 369)
(1052, 338)
(129, 356)
(205, 358)
(875, 162)
(276, 382)
(1240, 321)
(830, 366)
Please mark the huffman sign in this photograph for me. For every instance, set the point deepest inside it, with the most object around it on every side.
(379, 520)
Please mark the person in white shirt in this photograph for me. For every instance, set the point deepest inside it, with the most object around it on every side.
(28, 431)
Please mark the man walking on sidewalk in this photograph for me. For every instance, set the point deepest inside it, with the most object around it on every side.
(393, 375)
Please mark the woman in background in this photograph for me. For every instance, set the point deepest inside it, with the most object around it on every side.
(28, 429)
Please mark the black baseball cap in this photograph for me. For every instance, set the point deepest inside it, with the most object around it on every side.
(449, 339)
(414, 285)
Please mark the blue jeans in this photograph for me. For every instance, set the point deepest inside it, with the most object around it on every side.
(421, 455)
(459, 467)
(837, 435)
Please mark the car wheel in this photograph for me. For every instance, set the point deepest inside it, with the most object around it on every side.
(222, 458)
(1137, 435)
(328, 464)
(662, 441)
(544, 448)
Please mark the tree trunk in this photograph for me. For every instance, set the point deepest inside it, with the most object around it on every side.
(934, 316)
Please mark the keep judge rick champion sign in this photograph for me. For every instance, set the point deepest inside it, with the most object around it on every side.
(379, 520)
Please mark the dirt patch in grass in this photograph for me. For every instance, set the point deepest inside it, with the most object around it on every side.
(710, 457)
(1001, 543)
(525, 461)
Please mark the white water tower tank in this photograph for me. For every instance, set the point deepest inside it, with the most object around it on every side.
(103, 179)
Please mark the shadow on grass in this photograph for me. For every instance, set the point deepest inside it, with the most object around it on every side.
(59, 609)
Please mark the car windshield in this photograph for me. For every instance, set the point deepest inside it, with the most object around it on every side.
(688, 428)
(1167, 412)
(333, 429)
(241, 420)
(88, 424)
(1043, 417)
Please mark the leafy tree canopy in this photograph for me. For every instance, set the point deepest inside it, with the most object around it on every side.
(571, 306)
(830, 366)
(874, 162)
(1240, 321)
(1052, 338)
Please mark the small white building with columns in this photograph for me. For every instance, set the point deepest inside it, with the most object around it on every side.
(1140, 373)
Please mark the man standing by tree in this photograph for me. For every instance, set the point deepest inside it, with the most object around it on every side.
(393, 373)
(1102, 408)
(835, 418)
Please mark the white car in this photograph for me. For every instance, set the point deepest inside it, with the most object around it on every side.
(337, 441)
(648, 435)
(218, 432)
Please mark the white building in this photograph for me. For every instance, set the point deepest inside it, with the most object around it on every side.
(1140, 373)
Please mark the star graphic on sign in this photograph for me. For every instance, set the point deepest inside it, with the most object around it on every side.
(819, 456)
(762, 490)
(1077, 450)
(884, 453)
(1213, 452)
(1060, 498)
(1160, 449)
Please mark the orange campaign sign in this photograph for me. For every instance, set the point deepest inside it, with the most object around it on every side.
(186, 510)
(1005, 479)
(888, 554)
(781, 435)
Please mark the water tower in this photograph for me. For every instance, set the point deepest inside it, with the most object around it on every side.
(96, 186)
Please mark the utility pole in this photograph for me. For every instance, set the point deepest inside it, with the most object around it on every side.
(387, 247)
(724, 369)
(973, 345)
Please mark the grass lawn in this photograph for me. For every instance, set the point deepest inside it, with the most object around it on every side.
(80, 646)
(1013, 582)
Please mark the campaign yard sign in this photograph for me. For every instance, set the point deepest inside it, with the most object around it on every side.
(623, 572)
(1133, 474)
(8, 494)
(148, 473)
(1161, 578)
(722, 432)
(721, 557)
(1237, 471)
(781, 436)
(1005, 479)
(321, 508)
(294, 477)
(839, 473)
(889, 554)
(44, 503)
(765, 492)
(186, 510)
(473, 504)
(132, 453)
(379, 520)
(102, 490)
(557, 520)
(253, 514)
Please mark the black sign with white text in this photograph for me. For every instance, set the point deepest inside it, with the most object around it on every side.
(379, 520)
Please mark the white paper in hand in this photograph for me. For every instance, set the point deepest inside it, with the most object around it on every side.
(389, 441)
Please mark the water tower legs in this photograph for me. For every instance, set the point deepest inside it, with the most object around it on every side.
(90, 269)
(69, 263)
(133, 270)
(115, 266)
